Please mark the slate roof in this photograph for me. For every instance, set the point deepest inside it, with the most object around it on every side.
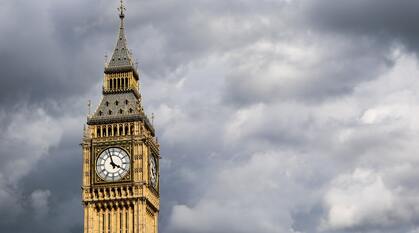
(119, 107)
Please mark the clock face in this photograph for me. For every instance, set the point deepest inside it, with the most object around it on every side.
(113, 164)
(153, 171)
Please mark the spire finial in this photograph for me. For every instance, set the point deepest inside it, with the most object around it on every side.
(122, 9)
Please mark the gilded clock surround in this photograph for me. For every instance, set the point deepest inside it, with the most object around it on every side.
(98, 151)
(129, 205)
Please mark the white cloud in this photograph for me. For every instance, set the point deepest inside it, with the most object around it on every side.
(359, 198)
(40, 202)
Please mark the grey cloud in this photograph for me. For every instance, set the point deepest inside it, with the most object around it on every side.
(261, 109)
(382, 20)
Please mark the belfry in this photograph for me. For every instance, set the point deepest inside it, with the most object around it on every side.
(120, 188)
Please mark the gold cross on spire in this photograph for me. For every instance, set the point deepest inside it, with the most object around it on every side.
(122, 9)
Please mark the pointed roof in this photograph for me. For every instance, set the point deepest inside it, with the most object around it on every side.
(121, 60)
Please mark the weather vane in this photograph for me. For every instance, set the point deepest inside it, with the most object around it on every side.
(122, 9)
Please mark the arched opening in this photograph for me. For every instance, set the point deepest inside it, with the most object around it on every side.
(121, 130)
(97, 132)
(115, 131)
(109, 131)
(126, 130)
(103, 132)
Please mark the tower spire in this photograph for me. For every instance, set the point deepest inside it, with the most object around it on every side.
(121, 59)
(122, 9)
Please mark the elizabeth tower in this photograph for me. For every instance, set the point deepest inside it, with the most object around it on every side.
(120, 188)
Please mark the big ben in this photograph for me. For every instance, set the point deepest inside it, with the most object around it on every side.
(120, 187)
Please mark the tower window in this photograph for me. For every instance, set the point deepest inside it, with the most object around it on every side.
(110, 112)
(121, 111)
(116, 103)
(130, 110)
(126, 102)
(107, 103)
(100, 113)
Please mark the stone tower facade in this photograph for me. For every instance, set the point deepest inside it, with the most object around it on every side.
(120, 188)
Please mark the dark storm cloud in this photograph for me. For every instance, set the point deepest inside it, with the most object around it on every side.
(44, 50)
(382, 20)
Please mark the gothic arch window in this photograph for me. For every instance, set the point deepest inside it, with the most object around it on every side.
(115, 130)
(110, 112)
(126, 102)
(97, 132)
(130, 110)
(100, 113)
(120, 130)
(126, 130)
(121, 111)
(116, 103)
(103, 132)
(109, 131)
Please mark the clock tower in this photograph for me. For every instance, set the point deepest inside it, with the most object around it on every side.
(120, 188)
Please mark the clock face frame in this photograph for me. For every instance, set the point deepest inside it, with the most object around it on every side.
(113, 164)
(153, 171)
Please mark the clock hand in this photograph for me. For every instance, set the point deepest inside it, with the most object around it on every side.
(112, 162)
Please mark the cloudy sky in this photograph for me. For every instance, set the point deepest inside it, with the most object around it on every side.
(274, 116)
